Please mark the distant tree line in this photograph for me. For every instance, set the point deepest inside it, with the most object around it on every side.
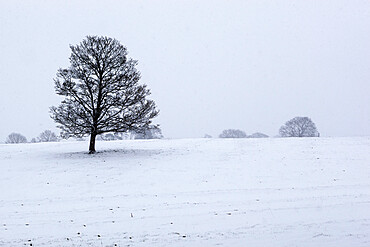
(296, 127)
(153, 132)
(236, 133)
(45, 136)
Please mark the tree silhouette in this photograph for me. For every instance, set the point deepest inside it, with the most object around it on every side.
(101, 92)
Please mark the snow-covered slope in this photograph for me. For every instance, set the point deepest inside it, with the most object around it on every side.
(191, 192)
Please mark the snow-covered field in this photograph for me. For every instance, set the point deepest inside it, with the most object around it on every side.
(190, 192)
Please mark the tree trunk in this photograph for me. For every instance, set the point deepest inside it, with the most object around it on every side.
(92, 143)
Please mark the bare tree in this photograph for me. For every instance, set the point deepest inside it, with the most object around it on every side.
(299, 127)
(101, 92)
(47, 136)
(233, 133)
(16, 138)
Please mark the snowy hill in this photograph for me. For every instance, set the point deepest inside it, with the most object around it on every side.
(190, 192)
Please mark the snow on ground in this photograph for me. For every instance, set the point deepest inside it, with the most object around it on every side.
(190, 192)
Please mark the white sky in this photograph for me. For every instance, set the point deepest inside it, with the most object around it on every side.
(211, 65)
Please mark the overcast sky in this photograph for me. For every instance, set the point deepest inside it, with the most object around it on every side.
(211, 65)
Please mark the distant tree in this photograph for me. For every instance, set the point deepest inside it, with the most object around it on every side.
(101, 92)
(207, 136)
(114, 136)
(47, 136)
(121, 135)
(258, 135)
(299, 127)
(153, 132)
(79, 139)
(108, 137)
(14, 138)
(233, 133)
